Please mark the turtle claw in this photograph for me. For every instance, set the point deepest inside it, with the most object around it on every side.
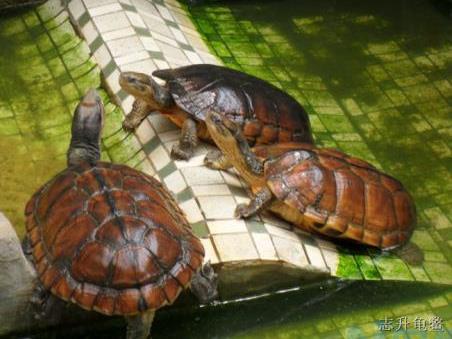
(216, 160)
(182, 153)
(129, 125)
(242, 211)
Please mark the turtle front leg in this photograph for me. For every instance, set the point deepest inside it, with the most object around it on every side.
(204, 284)
(217, 160)
(140, 110)
(261, 199)
(187, 142)
(139, 326)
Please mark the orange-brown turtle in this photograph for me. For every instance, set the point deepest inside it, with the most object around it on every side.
(322, 191)
(265, 114)
(110, 238)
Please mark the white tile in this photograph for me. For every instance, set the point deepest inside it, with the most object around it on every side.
(175, 182)
(264, 246)
(125, 46)
(132, 58)
(217, 207)
(96, 3)
(159, 158)
(193, 57)
(141, 66)
(201, 176)
(113, 81)
(178, 35)
(195, 161)
(144, 132)
(192, 211)
(102, 56)
(76, 8)
(172, 52)
(90, 32)
(127, 2)
(211, 254)
(161, 64)
(161, 123)
(226, 226)
(136, 20)
(164, 12)
(110, 22)
(145, 7)
(101, 10)
(220, 189)
(235, 247)
(290, 251)
(157, 25)
(231, 179)
(314, 255)
(119, 33)
(147, 168)
(275, 230)
(149, 44)
(127, 104)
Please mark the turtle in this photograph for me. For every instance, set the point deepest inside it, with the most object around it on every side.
(265, 113)
(321, 190)
(110, 238)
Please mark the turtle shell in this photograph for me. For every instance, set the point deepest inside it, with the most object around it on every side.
(266, 114)
(343, 197)
(111, 239)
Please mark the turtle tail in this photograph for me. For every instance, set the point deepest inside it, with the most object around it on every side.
(86, 130)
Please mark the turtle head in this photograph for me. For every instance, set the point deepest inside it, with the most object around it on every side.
(86, 130)
(230, 140)
(144, 87)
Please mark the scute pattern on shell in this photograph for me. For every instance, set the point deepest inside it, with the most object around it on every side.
(265, 113)
(111, 239)
(343, 197)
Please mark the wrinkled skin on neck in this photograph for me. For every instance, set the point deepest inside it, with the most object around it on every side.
(86, 130)
(230, 140)
(144, 88)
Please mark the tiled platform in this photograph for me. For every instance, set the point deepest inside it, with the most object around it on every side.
(144, 35)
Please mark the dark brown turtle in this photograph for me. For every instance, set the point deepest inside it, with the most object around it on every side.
(110, 238)
(322, 191)
(266, 114)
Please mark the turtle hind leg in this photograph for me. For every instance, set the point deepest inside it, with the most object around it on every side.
(187, 142)
(44, 305)
(260, 200)
(139, 326)
(410, 253)
(204, 284)
(217, 160)
(140, 110)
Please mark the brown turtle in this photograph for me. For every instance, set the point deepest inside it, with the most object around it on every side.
(266, 114)
(322, 191)
(110, 238)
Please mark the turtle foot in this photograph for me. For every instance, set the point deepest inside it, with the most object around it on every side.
(204, 284)
(216, 160)
(181, 153)
(129, 125)
(243, 211)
